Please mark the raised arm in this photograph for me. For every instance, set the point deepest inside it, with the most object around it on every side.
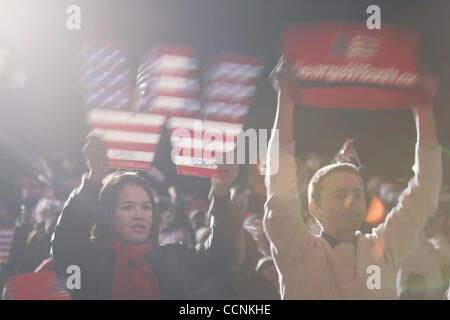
(211, 266)
(72, 233)
(282, 138)
(400, 232)
(226, 239)
(282, 219)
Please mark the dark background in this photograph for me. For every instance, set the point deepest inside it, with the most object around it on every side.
(46, 113)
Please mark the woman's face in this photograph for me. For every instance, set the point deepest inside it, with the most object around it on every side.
(133, 214)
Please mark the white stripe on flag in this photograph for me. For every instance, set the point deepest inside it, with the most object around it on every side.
(121, 117)
(195, 162)
(174, 102)
(205, 144)
(175, 62)
(117, 154)
(126, 136)
(175, 83)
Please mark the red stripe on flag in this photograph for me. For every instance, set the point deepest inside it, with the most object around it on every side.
(197, 171)
(130, 164)
(225, 118)
(177, 51)
(178, 93)
(232, 79)
(185, 73)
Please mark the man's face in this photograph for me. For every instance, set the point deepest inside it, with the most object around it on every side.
(342, 205)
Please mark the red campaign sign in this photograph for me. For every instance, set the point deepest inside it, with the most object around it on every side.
(42, 285)
(346, 65)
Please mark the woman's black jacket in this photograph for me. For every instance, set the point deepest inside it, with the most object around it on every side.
(182, 273)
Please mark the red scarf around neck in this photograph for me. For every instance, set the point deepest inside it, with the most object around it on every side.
(133, 279)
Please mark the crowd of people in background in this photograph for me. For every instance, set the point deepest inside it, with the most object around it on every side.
(227, 245)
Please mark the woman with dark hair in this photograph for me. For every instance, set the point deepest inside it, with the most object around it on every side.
(109, 229)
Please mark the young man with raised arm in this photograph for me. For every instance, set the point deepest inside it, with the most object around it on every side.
(343, 263)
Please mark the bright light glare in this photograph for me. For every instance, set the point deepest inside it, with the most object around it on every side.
(10, 22)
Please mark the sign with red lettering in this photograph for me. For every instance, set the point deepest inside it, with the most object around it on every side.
(346, 65)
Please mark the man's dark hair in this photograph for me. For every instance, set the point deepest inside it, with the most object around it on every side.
(315, 184)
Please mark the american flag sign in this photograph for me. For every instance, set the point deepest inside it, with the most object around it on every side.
(130, 137)
(197, 141)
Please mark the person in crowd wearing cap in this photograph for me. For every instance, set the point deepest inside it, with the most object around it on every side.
(342, 263)
(109, 228)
